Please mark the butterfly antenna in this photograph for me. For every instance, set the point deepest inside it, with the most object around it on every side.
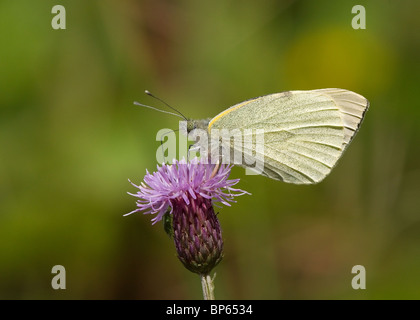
(153, 96)
(146, 106)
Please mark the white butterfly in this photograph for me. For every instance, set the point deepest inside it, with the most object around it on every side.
(305, 132)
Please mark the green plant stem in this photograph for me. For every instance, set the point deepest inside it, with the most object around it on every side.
(208, 286)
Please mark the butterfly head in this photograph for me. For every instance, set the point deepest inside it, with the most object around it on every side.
(197, 124)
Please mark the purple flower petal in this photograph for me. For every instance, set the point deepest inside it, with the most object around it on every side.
(180, 180)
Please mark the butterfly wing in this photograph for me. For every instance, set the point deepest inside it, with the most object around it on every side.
(305, 132)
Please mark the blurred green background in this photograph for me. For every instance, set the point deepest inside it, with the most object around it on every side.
(70, 138)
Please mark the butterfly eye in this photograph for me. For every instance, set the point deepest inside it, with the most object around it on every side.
(190, 125)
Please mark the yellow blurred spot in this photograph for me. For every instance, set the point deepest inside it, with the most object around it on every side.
(337, 57)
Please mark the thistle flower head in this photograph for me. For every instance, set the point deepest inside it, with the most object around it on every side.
(186, 190)
(182, 180)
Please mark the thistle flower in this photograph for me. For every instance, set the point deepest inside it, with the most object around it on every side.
(187, 191)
